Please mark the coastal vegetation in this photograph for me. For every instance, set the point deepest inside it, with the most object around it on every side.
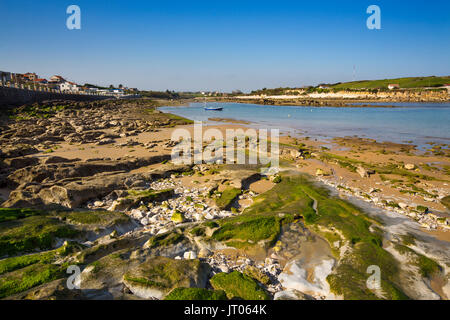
(408, 82)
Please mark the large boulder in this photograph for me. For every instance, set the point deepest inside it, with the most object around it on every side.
(57, 159)
(156, 277)
(19, 150)
(21, 162)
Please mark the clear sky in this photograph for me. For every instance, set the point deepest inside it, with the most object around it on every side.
(224, 45)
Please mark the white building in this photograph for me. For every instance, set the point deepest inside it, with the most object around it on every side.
(68, 86)
(393, 86)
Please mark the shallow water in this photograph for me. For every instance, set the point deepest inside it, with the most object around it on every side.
(416, 122)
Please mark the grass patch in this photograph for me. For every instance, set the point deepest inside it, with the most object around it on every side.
(408, 82)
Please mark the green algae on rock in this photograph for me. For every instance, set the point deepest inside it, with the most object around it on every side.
(159, 275)
(238, 285)
(226, 198)
(334, 219)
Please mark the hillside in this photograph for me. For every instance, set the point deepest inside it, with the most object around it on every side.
(411, 82)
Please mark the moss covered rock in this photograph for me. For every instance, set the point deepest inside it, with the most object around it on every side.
(238, 285)
(164, 240)
(248, 230)
(177, 217)
(31, 233)
(226, 198)
(256, 274)
(156, 277)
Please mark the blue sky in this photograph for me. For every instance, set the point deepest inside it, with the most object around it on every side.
(225, 45)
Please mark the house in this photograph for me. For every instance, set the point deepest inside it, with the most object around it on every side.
(116, 92)
(30, 76)
(56, 79)
(68, 86)
(393, 86)
(324, 86)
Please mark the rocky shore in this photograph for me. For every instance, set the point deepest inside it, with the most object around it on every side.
(91, 186)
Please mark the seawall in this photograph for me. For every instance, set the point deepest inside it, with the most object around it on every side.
(16, 96)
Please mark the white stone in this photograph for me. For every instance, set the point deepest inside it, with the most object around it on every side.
(402, 205)
(189, 255)
(224, 268)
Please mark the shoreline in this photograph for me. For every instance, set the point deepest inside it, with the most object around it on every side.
(325, 101)
(345, 185)
(115, 158)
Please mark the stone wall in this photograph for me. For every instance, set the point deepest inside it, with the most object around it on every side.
(16, 96)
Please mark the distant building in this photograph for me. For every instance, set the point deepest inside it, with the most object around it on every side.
(18, 77)
(393, 86)
(324, 86)
(68, 86)
(30, 76)
(56, 79)
(116, 92)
